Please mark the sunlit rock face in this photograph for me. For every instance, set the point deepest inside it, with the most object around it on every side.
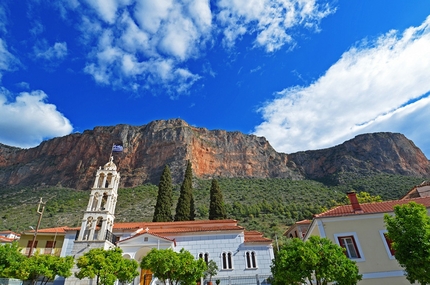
(72, 160)
(365, 154)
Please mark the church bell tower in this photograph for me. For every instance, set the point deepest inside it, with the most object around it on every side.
(97, 224)
(99, 216)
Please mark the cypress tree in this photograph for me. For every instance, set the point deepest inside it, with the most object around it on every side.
(216, 207)
(163, 207)
(185, 207)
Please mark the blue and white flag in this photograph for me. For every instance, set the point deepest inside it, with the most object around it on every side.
(117, 148)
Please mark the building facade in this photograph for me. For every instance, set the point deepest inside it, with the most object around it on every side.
(360, 229)
(238, 253)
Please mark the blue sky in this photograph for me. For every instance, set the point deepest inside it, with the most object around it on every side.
(303, 74)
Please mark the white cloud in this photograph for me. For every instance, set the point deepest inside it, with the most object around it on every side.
(371, 88)
(107, 9)
(166, 31)
(270, 20)
(29, 119)
(7, 61)
(57, 51)
(23, 85)
(3, 19)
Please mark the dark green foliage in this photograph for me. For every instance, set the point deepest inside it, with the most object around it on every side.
(388, 186)
(216, 206)
(185, 210)
(267, 205)
(163, 207)
(409, 229)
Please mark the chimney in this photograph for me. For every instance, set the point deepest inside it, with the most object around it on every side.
(354, 202)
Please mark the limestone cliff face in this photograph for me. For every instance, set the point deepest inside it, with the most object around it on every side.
(71, 161)
(365, 154)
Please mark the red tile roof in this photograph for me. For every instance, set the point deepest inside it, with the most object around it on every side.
(161, 229)
(58, 230)
(6, 240)
(371, 208)
(254, 236)
(198, 223)
(147, 232)
(171, 227)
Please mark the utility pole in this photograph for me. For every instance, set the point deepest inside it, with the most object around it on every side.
(40, 212)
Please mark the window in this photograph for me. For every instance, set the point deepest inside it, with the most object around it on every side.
(227, 261)
(49, 248)
(350, 243)
(387, 244)
(250, 259)
(27, 250)
(204, 256)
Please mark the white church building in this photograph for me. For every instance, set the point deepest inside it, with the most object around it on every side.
(242, 257)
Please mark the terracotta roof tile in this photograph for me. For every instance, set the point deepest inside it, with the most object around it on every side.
(254, 236)
(198, 223)
(371, 208)
(150, 233)
(6, 240)
(57, 230)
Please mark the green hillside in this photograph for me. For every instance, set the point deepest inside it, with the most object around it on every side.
(267, 205)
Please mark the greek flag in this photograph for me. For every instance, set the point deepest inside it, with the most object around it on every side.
(117, 148)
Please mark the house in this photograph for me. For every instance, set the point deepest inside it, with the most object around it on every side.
(360, 229)
(298, 230)
(422, 190)
(46, 241)
(8, 237)
(239, 254)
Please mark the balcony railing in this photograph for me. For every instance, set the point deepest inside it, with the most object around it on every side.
(111, 237)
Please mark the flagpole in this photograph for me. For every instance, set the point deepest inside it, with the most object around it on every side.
(111, 151)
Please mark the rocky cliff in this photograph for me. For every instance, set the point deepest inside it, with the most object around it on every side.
(363, 155)
(71, 161)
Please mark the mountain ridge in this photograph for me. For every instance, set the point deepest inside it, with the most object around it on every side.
(72, 160)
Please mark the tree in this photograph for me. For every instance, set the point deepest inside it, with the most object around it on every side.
(175, 267)
(317, 259)
(409, 230)
(10, 261)
(212, 269)
(46, 266)
(365, 197)
(163, 207)
(107, 266)
(216, 206)
(185, 207)
(362, 197)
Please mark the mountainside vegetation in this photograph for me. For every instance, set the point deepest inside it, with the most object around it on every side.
(267, 205)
